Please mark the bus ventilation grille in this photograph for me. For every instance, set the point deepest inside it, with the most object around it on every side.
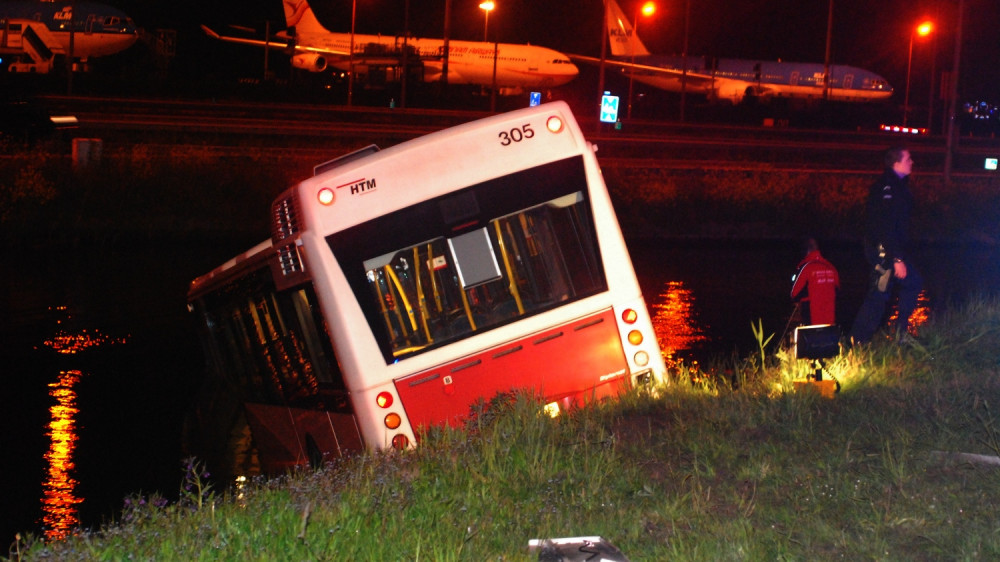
(288, 257)
(285, 219)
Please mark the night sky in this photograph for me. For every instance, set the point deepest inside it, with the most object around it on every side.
(872, 34)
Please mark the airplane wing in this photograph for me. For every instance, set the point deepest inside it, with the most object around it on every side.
(695, 80)
(274, 44)
(309, 57)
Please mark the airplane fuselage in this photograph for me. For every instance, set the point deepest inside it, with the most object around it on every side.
(736, 78)
(79, 29)
(469, 62)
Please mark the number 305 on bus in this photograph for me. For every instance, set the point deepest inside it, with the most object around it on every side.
(399, 287)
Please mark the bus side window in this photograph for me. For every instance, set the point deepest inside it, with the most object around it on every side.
(274, 344)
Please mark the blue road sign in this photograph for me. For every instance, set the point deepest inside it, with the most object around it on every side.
(609, 108)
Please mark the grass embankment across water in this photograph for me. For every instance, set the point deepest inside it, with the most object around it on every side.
(899, 465)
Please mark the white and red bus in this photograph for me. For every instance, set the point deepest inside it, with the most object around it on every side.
(401, 286)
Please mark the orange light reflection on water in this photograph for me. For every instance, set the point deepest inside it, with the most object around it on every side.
(920, 315)
(674, 321)
(59, 497)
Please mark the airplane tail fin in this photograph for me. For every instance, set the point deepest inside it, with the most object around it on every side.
(299, 14)
(624, 41)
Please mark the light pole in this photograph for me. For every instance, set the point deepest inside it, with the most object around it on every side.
(923, 30)
(684, 58)
(647, 9)
(487, 7)
(350, 72)
(604, 54)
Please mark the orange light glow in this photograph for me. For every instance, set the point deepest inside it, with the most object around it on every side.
(635, 337)
(925, 28)
(648, 9)
(70, 344)
(59, 498)
(920, 315)
(674, 322)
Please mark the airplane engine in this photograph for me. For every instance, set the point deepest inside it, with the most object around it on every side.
(309, 61)
(510, 91)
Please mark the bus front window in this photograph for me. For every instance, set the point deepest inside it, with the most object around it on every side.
(446, 288)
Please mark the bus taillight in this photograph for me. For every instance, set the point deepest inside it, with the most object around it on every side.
(400, 442)
(629, 316)
(384, 399)
(392, 420)
(635, 337)
(325, 196)
(554, 124)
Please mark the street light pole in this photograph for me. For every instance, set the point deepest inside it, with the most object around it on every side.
(646, 9)
(487, 7)
(604, 53)
(922, 29)
(826, 57)
(684, 57)
(952, 95)
(350, 72)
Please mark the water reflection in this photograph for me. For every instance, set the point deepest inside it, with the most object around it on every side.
(920, 315)
(676, 310)
(59, 497)
(674, 320)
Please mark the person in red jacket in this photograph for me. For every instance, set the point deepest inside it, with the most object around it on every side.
(815, 287)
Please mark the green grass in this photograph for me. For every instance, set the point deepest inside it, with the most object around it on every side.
(690, 471)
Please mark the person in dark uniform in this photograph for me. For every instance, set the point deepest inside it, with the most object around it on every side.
(815, 287)
(886, 247)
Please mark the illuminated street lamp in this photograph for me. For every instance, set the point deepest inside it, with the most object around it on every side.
(922, 30)
(646, 9)
(487, 7)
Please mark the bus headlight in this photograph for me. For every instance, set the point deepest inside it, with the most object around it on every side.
(325, 196)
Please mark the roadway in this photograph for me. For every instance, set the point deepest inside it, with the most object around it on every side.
(225, 127)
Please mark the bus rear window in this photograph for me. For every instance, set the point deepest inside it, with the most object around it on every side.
(474, 260)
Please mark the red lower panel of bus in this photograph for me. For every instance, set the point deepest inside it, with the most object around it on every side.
(582, 360)
(286, 437)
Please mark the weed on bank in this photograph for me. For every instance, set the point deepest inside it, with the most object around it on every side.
(901, 464)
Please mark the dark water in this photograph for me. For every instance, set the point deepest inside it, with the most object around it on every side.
(99, 358)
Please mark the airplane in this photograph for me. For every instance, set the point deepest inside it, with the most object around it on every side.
(34, 32)
(314, 48)
(730, 79)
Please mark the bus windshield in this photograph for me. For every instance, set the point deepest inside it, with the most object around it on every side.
(474, 259)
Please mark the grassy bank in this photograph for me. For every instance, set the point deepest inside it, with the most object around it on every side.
(900, 465)
(147, 190)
